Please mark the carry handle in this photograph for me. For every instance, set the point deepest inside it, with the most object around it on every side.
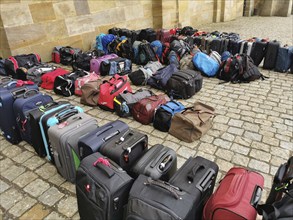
(166, 163)
(19, 92)
(104, 165)
(105, 139)
(66, 114)
(106, 128)
(206, 180)
(5, 79)
(30, 93)
(256, 196)
(191, 175)
(116, 88)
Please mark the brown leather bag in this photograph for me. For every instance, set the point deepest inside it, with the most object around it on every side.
(90, 93)
(192, 123)
(144, 110)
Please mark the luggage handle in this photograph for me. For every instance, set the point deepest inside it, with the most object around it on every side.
(104, 165)
(30, 93)
(104, 130)
(19, 92)
(105, 139)
(206, 180)
(116, 88)
(165, 164)
(256, 196)
(5, 79)
(154, 163)
(175, 191)
(194, 171)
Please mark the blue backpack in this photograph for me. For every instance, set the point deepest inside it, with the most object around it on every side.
(99, 45)
(205, 64)
(164, 114)
(108, 38)
(157, 47)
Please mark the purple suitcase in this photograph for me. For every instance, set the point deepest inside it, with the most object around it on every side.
(96, 62)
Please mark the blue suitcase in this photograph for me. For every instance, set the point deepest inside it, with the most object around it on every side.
(284, 59)
(8, 93)
(92, 142)
(30, 100)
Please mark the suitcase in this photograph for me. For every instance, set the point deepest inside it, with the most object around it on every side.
(258, 52)
(159, 162)
(29, 101)
(215, 45)
(34, 118)
(284, 59)
(126, 148)
(197, 176)
(95, 63)
(79, 82)
(102, 189)
(236, 197)
(64, 138)
(224, 45)
(9, 91)
(163, 35)
(248, 47)
(271, 55)
(92, 142)
(233, 47)
(49, 78)
(155, 199)
(184, 84)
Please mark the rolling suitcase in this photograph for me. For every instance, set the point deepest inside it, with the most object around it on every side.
(126, 148)
(284, 59)
(215, 45)
(102, 189)
(155, 199)
(236, 197)
(30, 100)
(197, 176)
(9, 91)
(271, 55)
(233, 47)
(258, 52)
(92, 142)
(64, 138)
(159, 162)
(224, 45)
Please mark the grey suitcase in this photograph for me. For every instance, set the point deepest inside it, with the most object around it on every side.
(64, 138)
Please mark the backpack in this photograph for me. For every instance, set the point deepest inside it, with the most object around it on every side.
(112, 46)
(186, 62)
(99, 45)
(146, 53)
(135, 47)
(124, 49)
(188, 31)
(107, 39)
(174, 59)
(205, 64)
(157, 47)
(180, 47)
(165, 53)
(67, 53)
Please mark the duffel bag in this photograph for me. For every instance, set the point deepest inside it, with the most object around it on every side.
(90, 93)
(119, 65)
(49, 78)
(67, 53)
(79, 82)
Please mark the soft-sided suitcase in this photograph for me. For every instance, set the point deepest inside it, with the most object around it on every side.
(92, 142)
(95, 63)
(224, 45)
(64, 138)
(9, 91)
(215, 45)
(284, 59)
(197, 176)
(258, 52)
(236, 197)
(34, 119)
(49, 78)
(102, 189)
(271, 55)
(126, 148)
(155, 199)
(159, 162)
(29, 101)
(184, 84)
(233, 47)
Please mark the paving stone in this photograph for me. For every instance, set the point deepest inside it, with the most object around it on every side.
(23, 205)
(235, 123)
(224, 154)
(261, 146)
(277, 161)
(13, 172)
(192, 145)
(54, 216)
(221, 119)
(29, 148)
(240, 160)
(266, 133)
(34, 162)
(46, 171)
(171, 145)
(154, 140)
(11, 197)
(252, 136)
(222, 143)
(207, 148)
(135, 124)
(147, 129)
(280, 153)
(208, 139)
(76, 216)
(36, 212)
(69, 186)
(260, 155)
(12, 151)
(185, 152)
(56, 179)
(37, 187)
(159, 134)
(25, 178)
(273, 170)
(23, 156)
(228, 137)
(270, 141)
(268, 180)
(259, 165)
(236, 131)
(180, 161)
(51, 196)
(286, 145)
(224, 165)
(251, 127)
(68, 206)
(3, 186)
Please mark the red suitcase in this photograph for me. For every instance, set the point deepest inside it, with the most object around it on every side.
(49, 78)
(163, 35)
(236, 197)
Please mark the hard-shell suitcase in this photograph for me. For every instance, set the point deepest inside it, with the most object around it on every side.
(258, 52)
(64, 138)
(8, 93)
(34, 119)
(236, 197)
(126, 148)
(284, 59)
(102, 189)
(92, 142)
(197, 176)
(271, 55)
(155, 199)
(96, 62)
(29, 101)
(159, 162)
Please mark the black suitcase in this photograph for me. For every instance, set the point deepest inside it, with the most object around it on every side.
(224, 45)
(159, 162)
(197, 41)
(158, 200)
(126, 148)
(284, 59)
(258, 52)
(216, 45)
(233, 47)
(197, 176)
(92, 142)
(102, 189)
(271, 55)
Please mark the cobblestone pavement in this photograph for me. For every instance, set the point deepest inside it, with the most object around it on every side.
(253, 129)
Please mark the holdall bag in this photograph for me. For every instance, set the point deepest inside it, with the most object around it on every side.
(205, 64)
(124, 102)
(159, 162)
(119, 65)
(271, 55)
(82, 60)
(35, 73)
(102, 189)
(29, 101)
(284, 59)
(236, 197)
(67, 53)
(80, 81)
(164, 114)
(65, 84)
(64, 138)
(126, 148)
(92, 142)
(156, 199)
(90, 93)
(95, 63)
(184, 84)
(192, 123)
(110, 89)
(49, 78)
(197, 176)
(143, 111)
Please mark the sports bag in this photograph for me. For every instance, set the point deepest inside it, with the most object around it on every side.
(110, 89)
(205, 64)
(108, 38)
(90, 93)
(56, 54)
(119, 65)
(146, 53)
(82, 60)
(35, 73)
(193, 123)
(49, 78)
(180, 47)
(147, 34)
(124, 102)
(143, 111)
(79, 82)
(164, 114)
(95, 63)
(67, 53)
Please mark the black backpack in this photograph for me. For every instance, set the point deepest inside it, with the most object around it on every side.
(124, 49)
(146, 53)
(67, 54)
